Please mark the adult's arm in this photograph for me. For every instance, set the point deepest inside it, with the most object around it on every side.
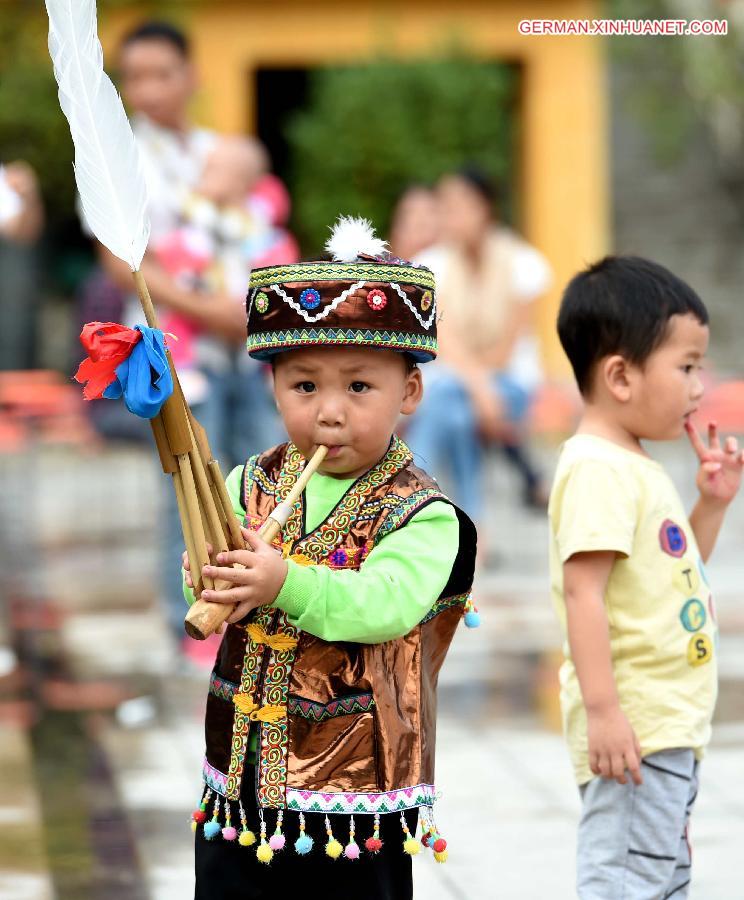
(497, 356)
(218, 314)
(475, 377)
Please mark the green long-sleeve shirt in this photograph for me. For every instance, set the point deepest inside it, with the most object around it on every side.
(396, 587)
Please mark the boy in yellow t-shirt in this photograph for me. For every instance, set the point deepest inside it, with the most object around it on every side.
(638, 687)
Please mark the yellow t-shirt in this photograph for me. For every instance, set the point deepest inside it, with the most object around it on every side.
(659, 605)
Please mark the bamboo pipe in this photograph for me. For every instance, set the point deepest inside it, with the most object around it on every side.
(208, 501)
(226, 515)
(170, 466)
(173, 442)
(195, 526)
(167, 459)
(173, 415)
(172, 433)
(200, 491)
(188, 537)
(213, 525)
(279, 516)
(205, 617)
(210, 505)
(236, 538)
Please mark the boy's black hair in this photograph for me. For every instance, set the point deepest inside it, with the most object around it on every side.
(621, 304)
(153, 30)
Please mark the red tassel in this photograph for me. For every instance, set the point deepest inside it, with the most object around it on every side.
(108, 345)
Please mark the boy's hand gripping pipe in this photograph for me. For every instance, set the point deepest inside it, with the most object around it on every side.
(204, 617)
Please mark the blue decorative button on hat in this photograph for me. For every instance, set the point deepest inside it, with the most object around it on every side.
(309, 299)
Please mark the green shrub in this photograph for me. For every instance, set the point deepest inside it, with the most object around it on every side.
(32, 126)
(368, 131)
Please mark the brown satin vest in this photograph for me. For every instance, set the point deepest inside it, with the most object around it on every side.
(359, 730)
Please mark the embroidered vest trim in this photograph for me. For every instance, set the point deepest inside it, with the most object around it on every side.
(271, 678)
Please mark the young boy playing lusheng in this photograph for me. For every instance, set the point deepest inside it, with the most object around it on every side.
(638, 687)
(321, 713)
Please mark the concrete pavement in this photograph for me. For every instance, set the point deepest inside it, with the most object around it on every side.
(101, 734)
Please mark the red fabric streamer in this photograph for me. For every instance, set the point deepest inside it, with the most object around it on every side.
(108, 345)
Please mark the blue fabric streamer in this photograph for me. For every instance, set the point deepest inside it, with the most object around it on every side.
(144, 378)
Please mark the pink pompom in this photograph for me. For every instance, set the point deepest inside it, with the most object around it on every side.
(277, 841)
(352, 850)
(229, 833)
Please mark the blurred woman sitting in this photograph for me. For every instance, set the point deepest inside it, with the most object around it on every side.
(415, 222)
(480, 388)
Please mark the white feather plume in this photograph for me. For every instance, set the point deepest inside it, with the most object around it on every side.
(350, 237)
(108, 168)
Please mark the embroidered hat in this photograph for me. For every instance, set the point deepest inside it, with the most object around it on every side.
(364, 297)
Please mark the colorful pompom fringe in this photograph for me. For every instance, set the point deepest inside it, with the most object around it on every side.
(333, 848)
(264, 853)
(471, 614)
(374, 844)
(304, 843)
(213, 827)
(351, 850)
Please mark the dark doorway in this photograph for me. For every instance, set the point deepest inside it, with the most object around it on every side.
(279, 92)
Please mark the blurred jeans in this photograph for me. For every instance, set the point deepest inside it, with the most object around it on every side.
(240, 419)
(19, 274)
(444, 435)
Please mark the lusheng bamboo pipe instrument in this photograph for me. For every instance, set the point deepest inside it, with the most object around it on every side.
(205, 617)
(110, 180)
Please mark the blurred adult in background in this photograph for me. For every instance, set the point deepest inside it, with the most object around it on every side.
(205, 235)
(158, 81)
(21, 225)
(223, 230)
(415, 224)
(193, 176)
(480, 388)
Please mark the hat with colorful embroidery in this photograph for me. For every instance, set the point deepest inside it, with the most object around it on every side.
(363, 297)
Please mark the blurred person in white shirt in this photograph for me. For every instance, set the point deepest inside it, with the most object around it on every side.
(480, 387)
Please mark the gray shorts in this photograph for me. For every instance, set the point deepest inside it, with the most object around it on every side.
(632, 841)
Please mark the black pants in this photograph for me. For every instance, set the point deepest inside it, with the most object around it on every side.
(227, 871)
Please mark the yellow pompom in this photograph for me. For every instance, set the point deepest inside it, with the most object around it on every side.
(333, 849)
(193, 825)
(441, 856)
(246, 838)
(264, 853)
(411, 846)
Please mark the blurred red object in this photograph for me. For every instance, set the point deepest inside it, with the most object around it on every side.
(44, 405)
(555, 409)
(723, 404)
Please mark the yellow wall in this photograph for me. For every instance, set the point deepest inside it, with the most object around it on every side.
(564, 196)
